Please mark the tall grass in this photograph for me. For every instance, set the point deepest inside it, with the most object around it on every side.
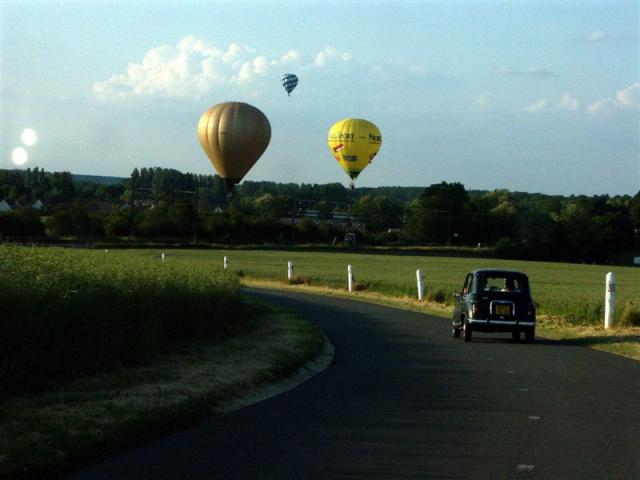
(64, 313)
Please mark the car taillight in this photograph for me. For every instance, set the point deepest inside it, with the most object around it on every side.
(474, 310)
(530, 311)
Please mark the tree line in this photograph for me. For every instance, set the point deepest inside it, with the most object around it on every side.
(165, 204)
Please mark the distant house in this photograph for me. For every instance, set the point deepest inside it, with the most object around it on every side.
(37, 205)
(98, 206)
(337, 219)
(7, 206)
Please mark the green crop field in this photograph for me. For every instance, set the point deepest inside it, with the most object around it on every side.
(69, 312)
(573, 291)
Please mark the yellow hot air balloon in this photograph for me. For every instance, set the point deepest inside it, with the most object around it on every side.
(353, 143)
(233, 135)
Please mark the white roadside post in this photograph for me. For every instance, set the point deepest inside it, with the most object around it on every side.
(350, 277)
(225, 262)
(163, 257)
(289, 270)
(610, 300)
(420, 278)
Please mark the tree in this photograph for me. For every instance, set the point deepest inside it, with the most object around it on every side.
(634, 211)
(116, 224)
(325, 210)
(62, 187)
(378, 213)
(74, 220)
(437, 213)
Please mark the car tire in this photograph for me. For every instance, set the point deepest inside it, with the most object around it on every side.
(529, 335)
(515, 335)
(456, 332)
(466, 328)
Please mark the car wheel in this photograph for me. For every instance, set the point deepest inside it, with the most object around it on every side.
(529, 335)
(456, 332)
(515, 335)
(467, 331)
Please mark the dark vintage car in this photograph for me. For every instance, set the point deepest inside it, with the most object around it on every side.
(495, 300)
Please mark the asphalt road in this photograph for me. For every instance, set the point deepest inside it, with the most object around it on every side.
(403, 399)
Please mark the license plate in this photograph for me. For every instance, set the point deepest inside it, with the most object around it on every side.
(503, 309)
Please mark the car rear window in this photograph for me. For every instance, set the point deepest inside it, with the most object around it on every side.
(503, 282)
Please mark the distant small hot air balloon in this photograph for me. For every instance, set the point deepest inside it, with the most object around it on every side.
(233, 135)
(354, 143)
(289, 82)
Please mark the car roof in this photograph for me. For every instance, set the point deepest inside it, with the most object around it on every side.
(493, 271)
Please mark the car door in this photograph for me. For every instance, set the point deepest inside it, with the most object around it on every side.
(460, 306)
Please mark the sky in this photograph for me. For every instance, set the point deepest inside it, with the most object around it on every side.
(525, 96)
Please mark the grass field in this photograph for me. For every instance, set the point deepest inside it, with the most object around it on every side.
(571, 291)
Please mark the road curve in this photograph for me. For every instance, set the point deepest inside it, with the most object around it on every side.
(405, 400)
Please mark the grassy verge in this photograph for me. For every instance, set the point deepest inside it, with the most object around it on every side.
(53, 431)
(623, 341)
(620, 341)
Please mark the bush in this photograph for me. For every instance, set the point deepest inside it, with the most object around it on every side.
(360, 287)
(23, 222)
(508, 248)
(298, 280)
(307, 231)
(439, 296)
(75, 220)
(630, 315)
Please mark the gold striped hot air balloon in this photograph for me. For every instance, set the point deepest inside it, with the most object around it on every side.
(233, 135)
(354, 143)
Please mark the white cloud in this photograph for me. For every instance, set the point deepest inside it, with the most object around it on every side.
(567, 102)
(626, 98)
(330, 54)
(485, 102)
(604, 105)
(598, 36)
(537, 107)
(194, 67)
(417, 70)
(291, 56)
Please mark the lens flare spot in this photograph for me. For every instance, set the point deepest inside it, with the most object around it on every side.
(19, 156)
(29, 137)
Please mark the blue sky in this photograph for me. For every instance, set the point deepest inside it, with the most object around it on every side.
(536, 97)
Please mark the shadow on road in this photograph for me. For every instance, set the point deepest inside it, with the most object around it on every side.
(599, 340)
(575, 342)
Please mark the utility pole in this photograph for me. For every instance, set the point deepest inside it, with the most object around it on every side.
(450, 227)
(132, 204)
(196, 219)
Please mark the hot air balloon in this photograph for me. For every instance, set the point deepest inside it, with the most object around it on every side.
(233, 135)
(354, 143)
(289, 82)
